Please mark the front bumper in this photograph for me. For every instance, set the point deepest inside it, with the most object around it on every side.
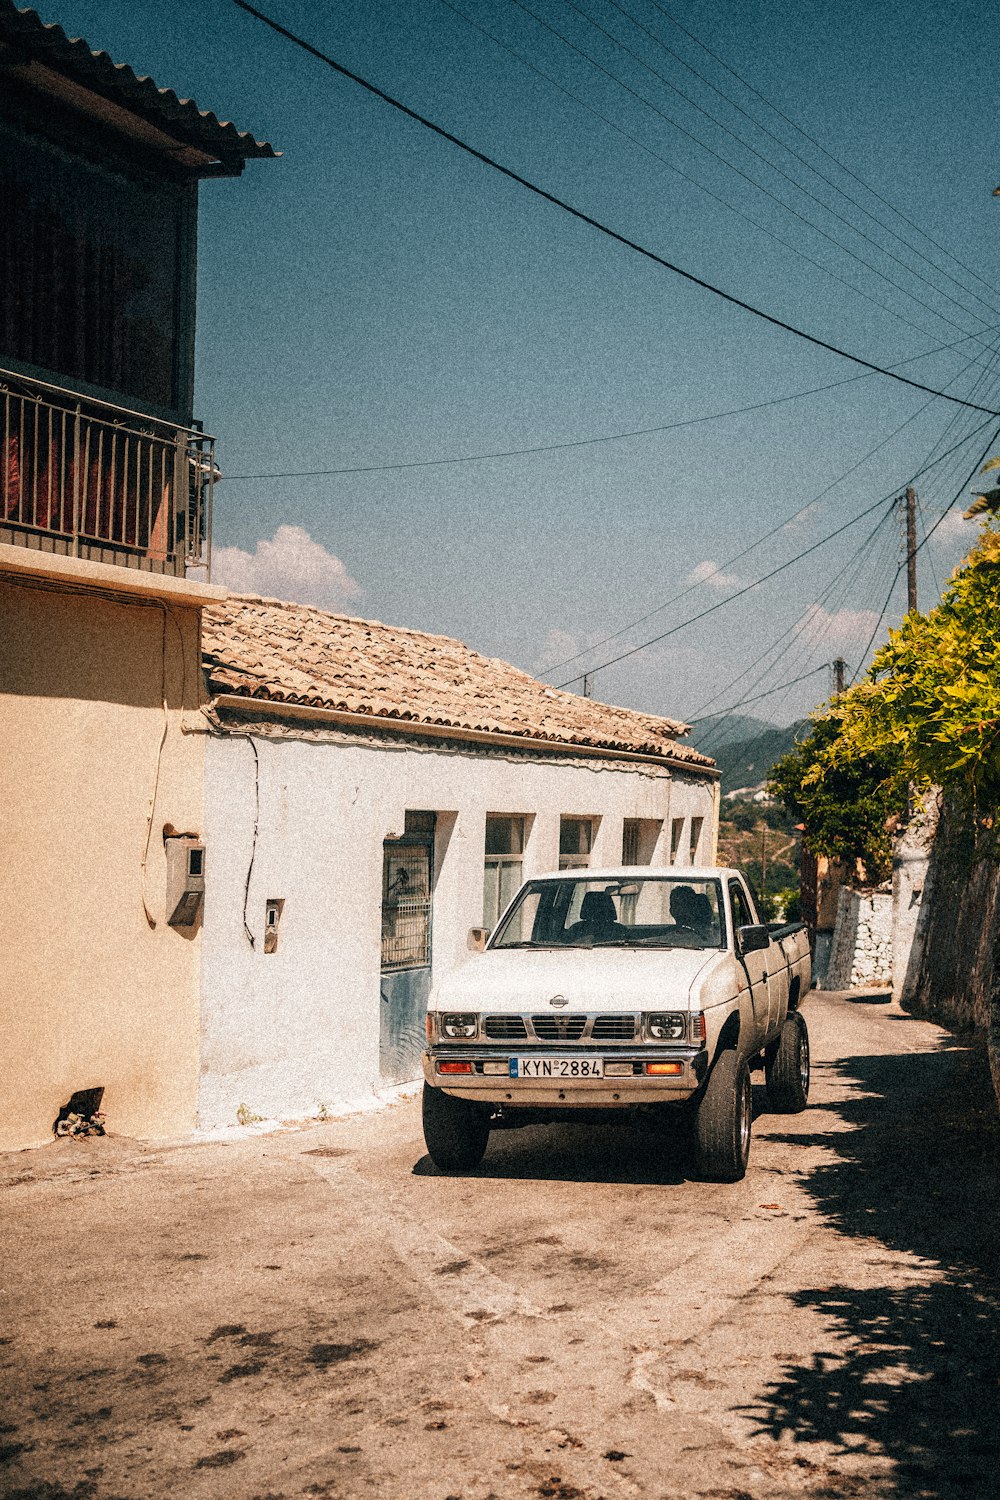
(490, 1081)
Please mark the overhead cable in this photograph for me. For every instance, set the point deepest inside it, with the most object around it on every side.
(608, 437)
(768, 162)
(702, 187)
(745, 552)
(804, 161)
(730, 598)
(848, 171)
(922, 543)
(782, 686)
(593, 223)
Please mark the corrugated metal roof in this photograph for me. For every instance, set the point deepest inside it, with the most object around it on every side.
(45, 42)
(291, 653)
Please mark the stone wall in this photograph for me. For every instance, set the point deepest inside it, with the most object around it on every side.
(861, 953)
(954, 970)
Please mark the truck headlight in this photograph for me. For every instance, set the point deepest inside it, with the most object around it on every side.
(666, 1026)
(460, 1027)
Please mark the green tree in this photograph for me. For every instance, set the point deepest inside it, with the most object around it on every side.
(928, 714)
(843, 797)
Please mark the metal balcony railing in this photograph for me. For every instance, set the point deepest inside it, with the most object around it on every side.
(87, 479)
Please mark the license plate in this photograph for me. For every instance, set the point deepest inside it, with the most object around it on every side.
(557, 1067)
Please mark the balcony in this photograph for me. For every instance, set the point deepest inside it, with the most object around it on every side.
(86, 479)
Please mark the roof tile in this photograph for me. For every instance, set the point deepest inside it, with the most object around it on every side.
(293, 653)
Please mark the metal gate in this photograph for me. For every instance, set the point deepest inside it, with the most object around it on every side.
(407, 876)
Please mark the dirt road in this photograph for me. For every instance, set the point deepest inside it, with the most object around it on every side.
(317, 1313)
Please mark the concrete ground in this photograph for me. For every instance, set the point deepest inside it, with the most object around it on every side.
(318, 1313)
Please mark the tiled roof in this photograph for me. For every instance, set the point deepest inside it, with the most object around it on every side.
(26, 33)
(291, 653)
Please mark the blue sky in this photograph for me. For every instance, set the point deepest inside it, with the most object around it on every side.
(377, 297)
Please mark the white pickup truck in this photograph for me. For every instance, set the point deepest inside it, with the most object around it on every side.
(618, 989)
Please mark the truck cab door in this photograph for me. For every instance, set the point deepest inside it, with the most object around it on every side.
(754, 965)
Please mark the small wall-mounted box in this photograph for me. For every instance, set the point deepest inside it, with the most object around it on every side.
(185, 879)
(273, 908)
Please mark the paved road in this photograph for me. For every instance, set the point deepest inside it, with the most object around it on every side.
(317, 1313)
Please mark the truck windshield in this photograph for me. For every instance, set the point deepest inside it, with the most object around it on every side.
(639, 912)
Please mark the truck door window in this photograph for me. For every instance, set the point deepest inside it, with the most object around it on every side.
(740, 909)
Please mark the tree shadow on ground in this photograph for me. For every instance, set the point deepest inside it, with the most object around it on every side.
(910, 1374)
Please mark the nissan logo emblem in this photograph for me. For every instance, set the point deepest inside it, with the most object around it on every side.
(558, 1000)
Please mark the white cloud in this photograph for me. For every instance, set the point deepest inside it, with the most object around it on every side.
(557, 646)
(708, 572)
(289, 566)
(841, 625)
(955, 527)
(803, 517)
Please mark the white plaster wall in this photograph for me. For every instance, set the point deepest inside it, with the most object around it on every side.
(861, 952)
(911, 895)
(286, 1033)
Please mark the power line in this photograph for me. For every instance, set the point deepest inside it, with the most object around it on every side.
(803, 633)
(745, 552)
(720, 604)
(782, 686)
(710, 150)
(800, 623)
(819, 146)
(767, 161)
(680, 172)
(757, 582)
(734, 104)
(968, 479)
(610, 437)
(593, 223)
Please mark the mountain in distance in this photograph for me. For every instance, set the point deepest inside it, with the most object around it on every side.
(745, 748)
(710, 735)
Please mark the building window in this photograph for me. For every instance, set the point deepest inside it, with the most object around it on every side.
(697, 824)
(95, 286)
(576, 838)
(676, 837)
(406, 894)
(504, 856)
(630, 841)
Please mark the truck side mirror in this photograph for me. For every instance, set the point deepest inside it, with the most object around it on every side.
(752, 939)
(477, 939)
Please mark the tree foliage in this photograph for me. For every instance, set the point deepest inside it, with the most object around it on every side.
(928, 714)
(843, 798)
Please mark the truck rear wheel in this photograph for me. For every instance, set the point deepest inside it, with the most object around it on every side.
(722, 1121)
(456, 1131)
(786, 1068)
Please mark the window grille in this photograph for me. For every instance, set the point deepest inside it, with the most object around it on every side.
(406, 906)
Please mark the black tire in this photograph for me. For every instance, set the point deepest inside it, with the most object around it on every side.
(456, 1131)
(722, 1121)
(786, 1068)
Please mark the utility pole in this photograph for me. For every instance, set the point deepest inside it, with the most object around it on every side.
(839, 668)
(911, 549)
(586, 684)
(763, 854)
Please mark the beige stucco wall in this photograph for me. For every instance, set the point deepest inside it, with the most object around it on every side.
(90, 993)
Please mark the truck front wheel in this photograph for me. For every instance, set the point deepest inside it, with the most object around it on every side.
(722, 1122)
(786, 1068)
(456, 1131)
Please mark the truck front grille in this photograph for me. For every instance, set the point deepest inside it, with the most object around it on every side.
(559, 1028)
(614, 1028)
(505, 1028)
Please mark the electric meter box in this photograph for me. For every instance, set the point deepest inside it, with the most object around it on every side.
(185, 879)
